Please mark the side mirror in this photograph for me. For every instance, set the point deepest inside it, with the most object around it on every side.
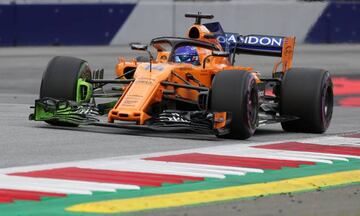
(220, 53)
(216, 54)
(143, 47)
(135, 46)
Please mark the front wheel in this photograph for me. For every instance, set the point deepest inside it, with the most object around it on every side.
(236, 93)
(65, 79)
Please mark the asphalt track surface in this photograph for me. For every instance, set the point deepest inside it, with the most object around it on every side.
(27, 143)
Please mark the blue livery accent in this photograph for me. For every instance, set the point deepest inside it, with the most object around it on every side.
(62, 24)
(261, 44)
(257, 42)
(251, 44)
(214, 27)
(228, 40)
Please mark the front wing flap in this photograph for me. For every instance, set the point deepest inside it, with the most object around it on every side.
(50, 109)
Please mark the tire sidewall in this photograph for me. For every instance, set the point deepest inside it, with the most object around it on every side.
(249, 88)
(231, 91)
(302, 96)
(60, 83)
(325, 117)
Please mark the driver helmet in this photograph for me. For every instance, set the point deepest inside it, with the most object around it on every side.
(187, 54)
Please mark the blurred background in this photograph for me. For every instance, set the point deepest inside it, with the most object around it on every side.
(33, 31)
(118, 22)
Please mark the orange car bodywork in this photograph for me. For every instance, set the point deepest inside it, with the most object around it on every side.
(146, 89)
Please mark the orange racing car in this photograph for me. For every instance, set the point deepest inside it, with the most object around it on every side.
(191, 83)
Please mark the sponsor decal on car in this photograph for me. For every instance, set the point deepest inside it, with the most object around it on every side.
(260, 40)
(154, 67)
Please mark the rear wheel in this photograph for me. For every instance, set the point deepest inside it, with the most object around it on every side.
(307, 94)
(236, 93)
(65, 79)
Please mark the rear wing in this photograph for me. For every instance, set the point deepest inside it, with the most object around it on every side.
(264, 45)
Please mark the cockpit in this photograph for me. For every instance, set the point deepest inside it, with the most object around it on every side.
(182, 50)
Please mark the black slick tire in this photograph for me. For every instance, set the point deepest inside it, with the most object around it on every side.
(307, 93)
(60, 80)
(236, 93)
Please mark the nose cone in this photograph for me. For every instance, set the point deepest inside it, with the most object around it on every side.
(141, 94)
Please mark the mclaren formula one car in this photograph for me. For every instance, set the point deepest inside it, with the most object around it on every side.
(190, 83)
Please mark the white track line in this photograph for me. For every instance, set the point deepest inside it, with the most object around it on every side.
(216, 167)
(337, 140)
(204, 166)
(277, 154)
(59, 186)
(193, 167)
(151, 167)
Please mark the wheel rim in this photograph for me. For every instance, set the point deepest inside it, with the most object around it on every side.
(327, 105)
(252, 102)
(83, 88)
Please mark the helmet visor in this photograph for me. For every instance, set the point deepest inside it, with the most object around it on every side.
(186, 58)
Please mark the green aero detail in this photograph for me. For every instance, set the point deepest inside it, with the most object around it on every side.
(47, 109)
(83, 91)
(50, 111)
(104, 108)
